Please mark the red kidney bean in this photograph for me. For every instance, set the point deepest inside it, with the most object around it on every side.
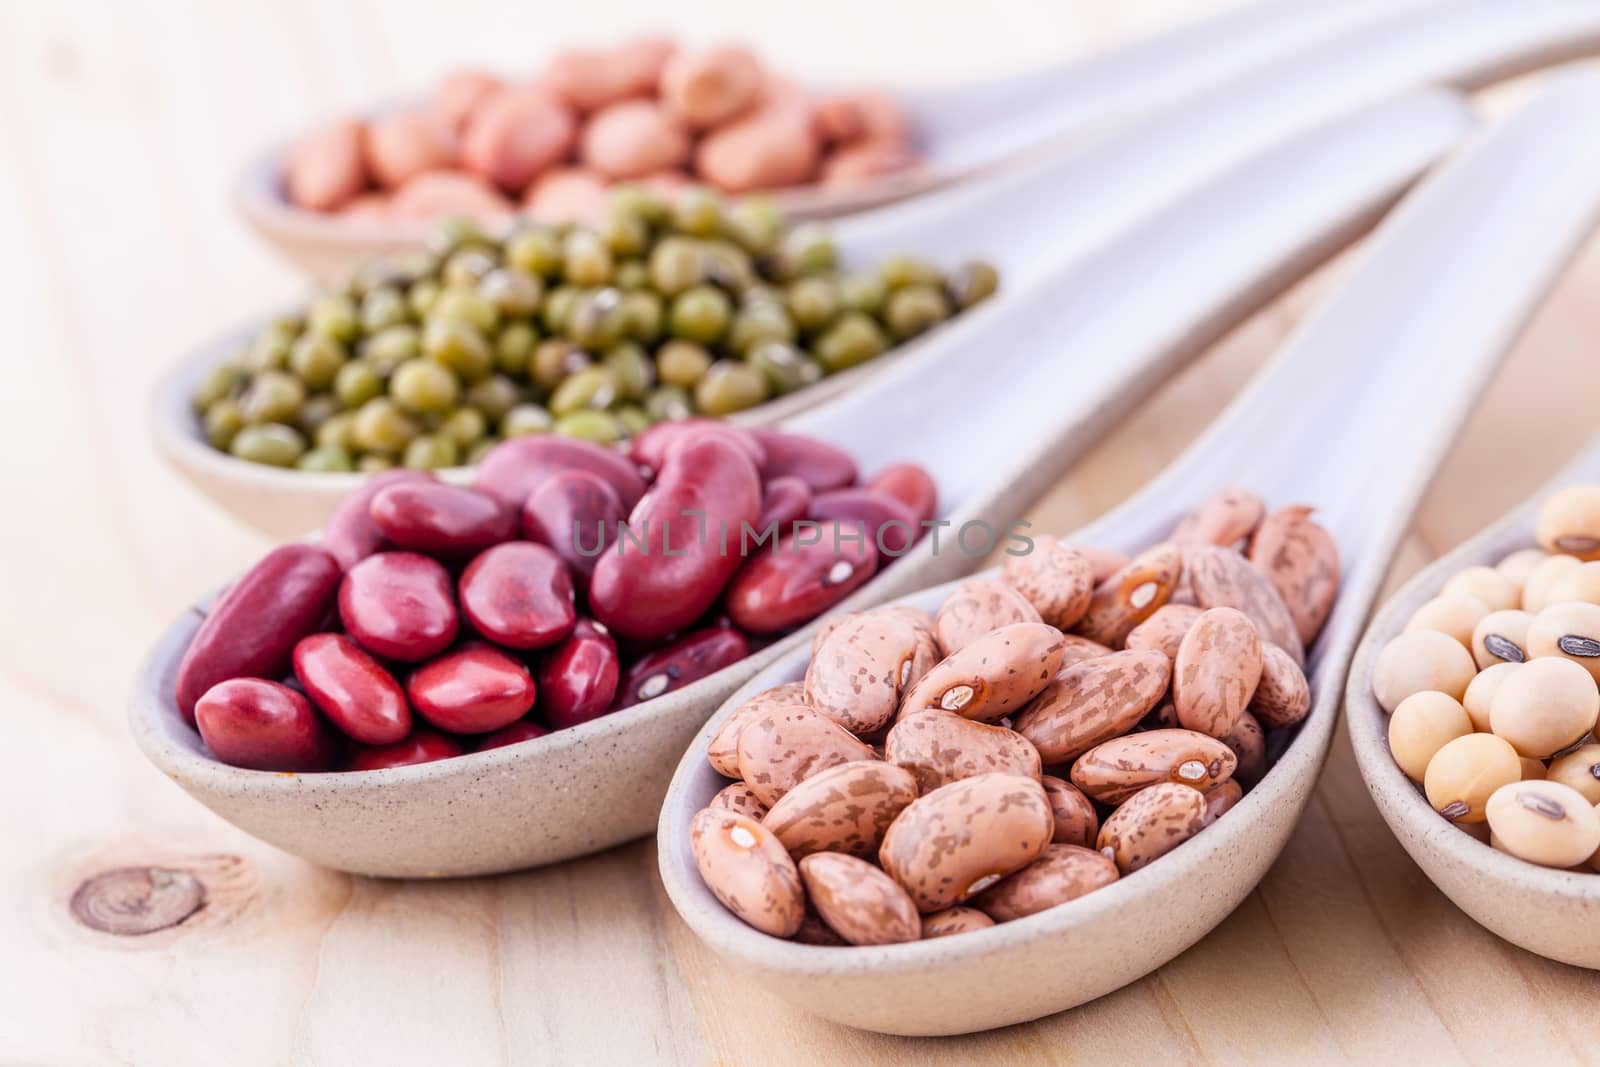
(817, 463)
(686, 660)
(578, 678)
(262, 725)
(399, 605)
(519, 595)
(910, 484)
(442, 520)
(473, 690)
(783, 500)
(423, 746)
(518, 732)
(576, 514)
(351, 534)
(798, 580)
(670, 580)
(352, 689)
(252, 628)
(649, 449)
(514, 469)
(889, 524)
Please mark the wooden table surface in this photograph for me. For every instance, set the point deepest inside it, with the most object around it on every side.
(121, 126)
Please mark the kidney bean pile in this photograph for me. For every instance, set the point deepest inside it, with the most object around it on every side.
(1043, 734)
(570, 581)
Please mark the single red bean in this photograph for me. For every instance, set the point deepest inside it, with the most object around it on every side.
(252, 628)
(514, 469)
(351, 534)
(649, 449)
(441, 520)
(264, 726)
(817, 463)
(798, 580)
(518, 732)
(688, 659)
(783, 500)
(578, 678)
(912, 485)
(669, 565)
(423, 746)
(887, 522)
(576, 513)
(399, 605)
(352, 689)
(473, 690)
(519, 595)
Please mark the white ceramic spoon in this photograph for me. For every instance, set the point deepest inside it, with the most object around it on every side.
(1547, 911)
(1354, 415)
(1147, 301)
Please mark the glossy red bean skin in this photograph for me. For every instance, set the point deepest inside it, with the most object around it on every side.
(518, 732)
(399, 605)
(783, 500)
(472, 690)
(685, 560)
(649, 449)
(578, 678)
(263, 726)
(423, 746)
(352, 689)
(686, 660)
(793, 583)
(252, 628)
(576, 513)
(910, 484)
(514, 469)
(865, 509)
(351, 534)
(441, 520)
(519, 595)
(820, 465)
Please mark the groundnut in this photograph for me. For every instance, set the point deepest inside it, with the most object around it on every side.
(352, 689)
(1248, 743)
(568, 195)
(707, 492)
(767, 149)
(1220, 800)
(1419, 660)
(1420, 726)
(1163, 632)
(1301, 561)
(1456, 616)
(519, 595)
(1062, 873)
(515, 134)
(820, 465)
(441, 520)
(1282, 696)
(1079, 649)
(1464, 772)
(783, 500)
(783, 746)
(940, 747)
(1494, 589)
(1131, 595)
(252, 628)
(578, 678)
(1224, 579)
(263, 726)
(705, 89)
(1076, 821)
(325, 169)
(1545, 706)
(858, 901)
(438, 193)
(953, 921)
(351, 534)
(632, 138)
(1568, 631)
(578, 514)
(690, 658)
(423, 746)
(796, 580)
(1056, 578)
(1544, 822)
(514, 469)
(1480, 694)
(459, 94)
(842, 809)
(1545, 574)
(1150, 824)
(977, 607)
(403, 144)
(723, 750)
(1227, 518)
(859, 672)
(912, 485)
(1580, 770)
(741, 800)
(1569, 522)
(993, 676)
(1215, 674)
(1500, 637)
(472, 690)
(747, 869)
(962, 838)
(1114, 770)
(1093, 701)
(884, 522)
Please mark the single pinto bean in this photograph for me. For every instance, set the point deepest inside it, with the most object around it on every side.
(786, 744)
(886, 522)
(514, 469)
(441, 520)
(1282, 696)
(352, 534)
(955, 920)
(352, 689)
(1056, 578)
(912, 485)
(423, 746)
(1114, 770)
(842, 809)
(577, 513)
(578, 678)
(473, 690)
(1131, 595)
(978, 607)
(1216, 671)
(783, 500)
(741, 800)
(325, 169)
(1151, 823)
(993, 676)
(794, 582)
(1063, 873)
(399, 605)
(519, 595)
(261, 725)
(1301, 561)
(515, 134)
(858, 901)
(1093, 701)
(688, 659)
(1226, 518)
(1077, 823)
(723, 751)
(940, 747)
(747, 869)
(820, 465)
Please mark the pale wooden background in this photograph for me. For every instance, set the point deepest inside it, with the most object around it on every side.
(121, 126)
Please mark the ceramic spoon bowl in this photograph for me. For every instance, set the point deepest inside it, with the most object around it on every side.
(1408, 343)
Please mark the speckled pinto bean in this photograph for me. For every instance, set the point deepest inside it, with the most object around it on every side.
(472, 690)
(1079, 649)
(977, 607)
(1062, 873)
(910, 484)
(722, 752)
(796, 580)
(1301, 561)
(689, 525)
(1248, 743)
(842, 809)
(253, 627)
(688, 659)
(1220, 799)
(519, 595)
(578, 678)
(940, 747)
(858, 901)
(741, 800)
(1164, 631)
(351, 534)
(399, 605)
(820, 465)
(859, 672)
(1227, 518)
(993, 676)
(441, 520)
(956, 920)
(1215, 674)
(1151, 823)
(352, 689)
(1093, 701)
(782, 747)
(1077, 822)
(263, 726)
(1114, 770)
(962, 838)
(747, 869)
(1131, 595)
(1222, 578)
(514, 469)
(881, 519)
(1056, 578)
(576, 513)
(783, 500)
(1282, 696)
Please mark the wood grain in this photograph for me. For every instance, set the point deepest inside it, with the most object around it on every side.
(121, 128)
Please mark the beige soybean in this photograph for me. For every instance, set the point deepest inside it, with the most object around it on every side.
(1151, 823)
(1569, 522)
(1579, 769)
(1544, 822)
(957, 920)
(1500, 637)
(1056, 578)
(842, 809)
(1455, 615)
(1248, 743)
(723, 751)
(1423, 724)
(747, 869)
(1480, 694)
(1575, 585)
(784, 746)
(1282, 696)
(976, 608)
(1462, 775)
(1114, 770)
(1132, 595)
(858, 901)
(1077, 822)
(1494, 589)
(1063, 873)
(858, 675)
(1519, 565)
(993, 676)
(1421, 660)
(1545, 706)
(1215, 674)
(1093, 701)
(1568, 631)
(939, 747)
(1164, 631)
(1545, 574)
